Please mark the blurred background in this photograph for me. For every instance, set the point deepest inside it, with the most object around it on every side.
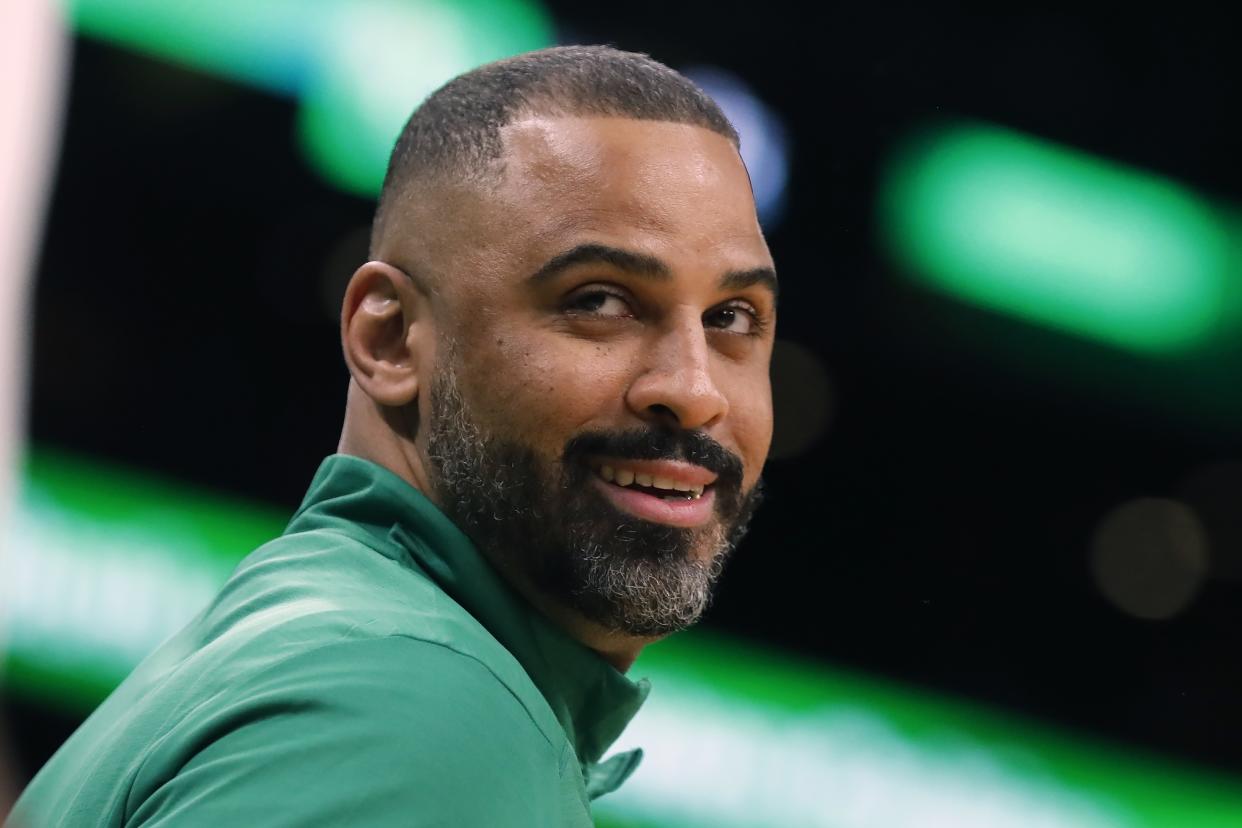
(998, 580)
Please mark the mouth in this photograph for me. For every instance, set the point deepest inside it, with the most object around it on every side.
(672, 493)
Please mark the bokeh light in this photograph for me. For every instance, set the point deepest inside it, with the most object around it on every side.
(765, 142)
(1149, 557)
(801, 396)
(1059, 238)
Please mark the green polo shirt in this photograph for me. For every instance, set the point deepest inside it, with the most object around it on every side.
(366, 668)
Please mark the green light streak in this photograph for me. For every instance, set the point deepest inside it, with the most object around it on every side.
(744, 732)
(359, 67)
(1060, 239)
(103, 564)
(271, 44)
(384, 61)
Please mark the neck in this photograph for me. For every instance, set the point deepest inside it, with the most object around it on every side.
(616, 648)
(380, 435)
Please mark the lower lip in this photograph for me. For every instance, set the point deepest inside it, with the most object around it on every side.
(686, 513)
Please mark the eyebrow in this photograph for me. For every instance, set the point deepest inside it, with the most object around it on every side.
(742, 279)
(646, 265)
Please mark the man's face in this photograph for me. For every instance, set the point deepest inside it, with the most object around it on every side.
(601, 409)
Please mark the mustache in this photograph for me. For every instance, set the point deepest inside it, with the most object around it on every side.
(659, 444)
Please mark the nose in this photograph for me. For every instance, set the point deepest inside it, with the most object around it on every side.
(676, 386)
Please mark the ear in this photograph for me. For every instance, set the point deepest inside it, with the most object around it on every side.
(385, 322)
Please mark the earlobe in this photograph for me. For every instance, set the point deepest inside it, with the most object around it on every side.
(381, 320)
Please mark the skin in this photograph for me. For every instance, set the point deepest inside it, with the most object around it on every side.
(594, 346)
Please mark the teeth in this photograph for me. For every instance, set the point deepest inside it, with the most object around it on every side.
(624, 477)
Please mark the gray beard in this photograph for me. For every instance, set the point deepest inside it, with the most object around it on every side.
(625, 574)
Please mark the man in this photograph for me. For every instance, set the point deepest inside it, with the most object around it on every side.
(557, 417)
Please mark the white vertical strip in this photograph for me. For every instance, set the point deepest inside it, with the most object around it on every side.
(33, 53)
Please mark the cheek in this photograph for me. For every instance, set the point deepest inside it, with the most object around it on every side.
(546, 388)
(750, 410)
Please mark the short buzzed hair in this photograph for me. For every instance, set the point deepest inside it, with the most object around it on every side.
(455, 133)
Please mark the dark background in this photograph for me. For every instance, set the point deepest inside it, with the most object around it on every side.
(938, 530)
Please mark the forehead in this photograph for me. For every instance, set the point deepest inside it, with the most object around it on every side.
(651, 182)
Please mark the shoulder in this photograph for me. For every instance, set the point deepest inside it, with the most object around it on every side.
(360, 729)
(401, 682)
(313, 600)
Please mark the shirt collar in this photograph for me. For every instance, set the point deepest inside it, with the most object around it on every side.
(592, 700)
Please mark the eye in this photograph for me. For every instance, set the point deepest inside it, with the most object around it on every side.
(598, 302)
(738, 318)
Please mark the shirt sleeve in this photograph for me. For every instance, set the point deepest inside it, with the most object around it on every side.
(380, 732)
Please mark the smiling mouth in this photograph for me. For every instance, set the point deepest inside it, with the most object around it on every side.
(669, 486)
(670, 492)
